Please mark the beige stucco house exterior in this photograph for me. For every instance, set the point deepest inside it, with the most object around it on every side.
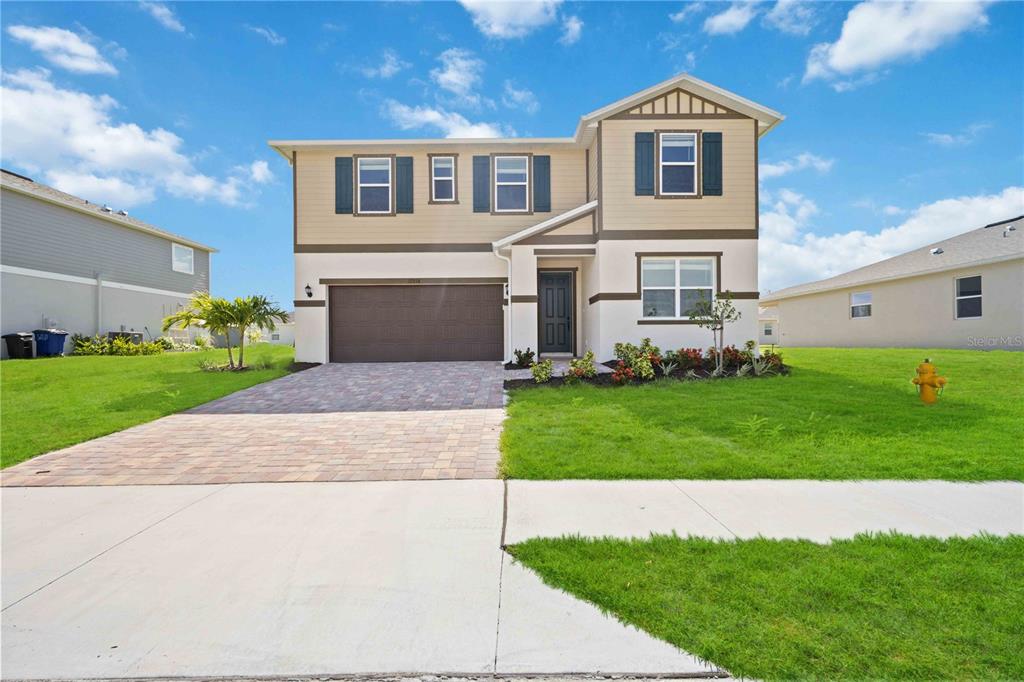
(454, 249)
(963, 292)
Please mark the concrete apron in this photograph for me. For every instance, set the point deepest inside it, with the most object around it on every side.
(300, 579)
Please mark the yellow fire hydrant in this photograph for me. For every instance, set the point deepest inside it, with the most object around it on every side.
(929, 384)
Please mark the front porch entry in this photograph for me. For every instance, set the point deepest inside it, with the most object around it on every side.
(556, 310)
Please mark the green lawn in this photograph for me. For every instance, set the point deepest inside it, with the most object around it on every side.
(50, 403)
(875, 607)
(841, 414)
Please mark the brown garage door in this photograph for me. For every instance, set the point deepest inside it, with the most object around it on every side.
(416, 323)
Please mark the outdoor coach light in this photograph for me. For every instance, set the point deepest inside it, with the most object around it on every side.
(309, 291)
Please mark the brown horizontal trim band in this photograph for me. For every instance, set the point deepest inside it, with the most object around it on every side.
(666, 322)
(650, 254)
(743, 294)
(613, 297)
(306, 303)
(676, 234)
(412, 280)
(390, 248)
(654, 117)
(524, 299)
(555, 239)
(564, 252)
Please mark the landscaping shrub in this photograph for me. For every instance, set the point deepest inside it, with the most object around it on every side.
(524, 358)
(773, 357)
(582, 368)
(686, 358)
(623, 373)
(542, 371)
(165, 342)
(88, 345)
(640, 359)
(732, 357)
(99, 345)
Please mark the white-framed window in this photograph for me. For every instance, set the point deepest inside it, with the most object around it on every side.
(672, 287)
(860, 304)
(442, 178)
(275, 337)
(768, 329)
(677, 172)
(374, 185)
(511, 184)
(183, 259)
(968, 297)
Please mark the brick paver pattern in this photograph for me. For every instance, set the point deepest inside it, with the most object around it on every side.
(338, 422)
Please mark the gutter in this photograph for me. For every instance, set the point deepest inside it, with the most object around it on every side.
(507, 355)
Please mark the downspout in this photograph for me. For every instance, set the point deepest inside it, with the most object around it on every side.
(99, 303)
(508, 260)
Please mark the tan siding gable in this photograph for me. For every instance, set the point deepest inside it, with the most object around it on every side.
(678, 101)
(429, 223)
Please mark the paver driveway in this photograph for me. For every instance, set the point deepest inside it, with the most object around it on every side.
(338, 422)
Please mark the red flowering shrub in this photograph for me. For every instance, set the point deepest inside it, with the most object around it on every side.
(623, 373)
(688, 358)
(731, 356)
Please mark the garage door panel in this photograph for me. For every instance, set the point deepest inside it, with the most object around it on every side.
(416, 323)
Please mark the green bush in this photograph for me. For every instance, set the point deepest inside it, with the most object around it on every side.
(581, 368)
(98, 345)
(641, 359)
(542, 371)
(524, 358)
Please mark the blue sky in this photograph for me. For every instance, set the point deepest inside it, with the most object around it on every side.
(904, 121)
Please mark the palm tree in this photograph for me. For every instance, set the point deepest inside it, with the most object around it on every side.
(214, 314)
(254, 311)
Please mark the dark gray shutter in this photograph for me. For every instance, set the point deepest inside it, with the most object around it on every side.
(481, 184)
(542, 184)
(343, 184)
(711, 160)
(403, 184)
(644, 172)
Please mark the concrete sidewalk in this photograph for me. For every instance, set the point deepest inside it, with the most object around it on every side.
(289, 579)
(307, 579)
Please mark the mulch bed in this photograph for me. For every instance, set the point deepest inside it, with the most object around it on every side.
(606, 379)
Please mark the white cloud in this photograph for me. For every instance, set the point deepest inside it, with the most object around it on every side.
(71, 137)
(572, 30)
(875, 34)
(389, 65)
(797, 163)
(269, 34)
(688, 10)
(258, 172)
(961, 139)
(511, 19)
(732, 20)
(63, 48)
(791, 16)
(791, 254)
(450, 124)
(519, 98)
(459, 74)
(163, 14)
(893, 210)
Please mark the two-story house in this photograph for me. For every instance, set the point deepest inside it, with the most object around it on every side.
(466, 249)
(87, 268)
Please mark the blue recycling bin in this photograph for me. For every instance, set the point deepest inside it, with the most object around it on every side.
(49, 341)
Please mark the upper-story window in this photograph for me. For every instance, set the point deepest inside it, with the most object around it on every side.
(968, 297)
(511, 184)
(182, 259)
(677, 164)
(374, 180)
(672, 287)
(860, 304)
(442, 179)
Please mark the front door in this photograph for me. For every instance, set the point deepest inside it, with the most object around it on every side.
(555, 310)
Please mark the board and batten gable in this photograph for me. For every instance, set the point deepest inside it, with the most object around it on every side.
(317, 223)
(39, 235)
(734, 209)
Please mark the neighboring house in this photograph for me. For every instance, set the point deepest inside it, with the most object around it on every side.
(963, 292)
(453, 249)
(768, 327)
(283, 334)
(86, 268)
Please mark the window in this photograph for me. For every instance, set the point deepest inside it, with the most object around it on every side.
(860, 304)
(182, 259)
(275, 337)
(768, 330)
(374, 178)
(511, 184)
(672, 287)
(442, 178)
(677, 172)
(968, 297)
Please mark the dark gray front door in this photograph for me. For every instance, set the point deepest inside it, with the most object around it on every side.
(555, 299)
